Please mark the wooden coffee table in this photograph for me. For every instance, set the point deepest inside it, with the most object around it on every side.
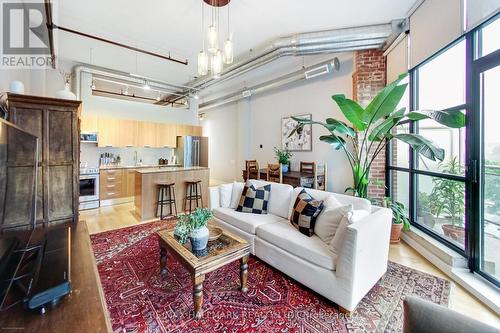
(226, 249)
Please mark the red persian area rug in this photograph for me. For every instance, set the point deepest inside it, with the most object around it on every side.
(140, 300)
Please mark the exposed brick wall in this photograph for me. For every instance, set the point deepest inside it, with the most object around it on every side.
(368, 78)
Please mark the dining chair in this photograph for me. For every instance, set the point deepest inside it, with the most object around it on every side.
(252, 169)
(274, 173)
(308, 168)
(321, 177)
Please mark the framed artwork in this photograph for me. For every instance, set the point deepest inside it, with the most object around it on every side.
(301, 140)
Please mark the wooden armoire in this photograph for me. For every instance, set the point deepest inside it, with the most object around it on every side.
(56, 124)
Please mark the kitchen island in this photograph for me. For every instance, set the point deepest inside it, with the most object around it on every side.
(146, 189)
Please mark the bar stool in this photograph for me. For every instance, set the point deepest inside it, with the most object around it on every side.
(165, 193)
(192, 194)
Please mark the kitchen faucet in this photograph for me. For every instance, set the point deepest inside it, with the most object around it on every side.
(135, 157)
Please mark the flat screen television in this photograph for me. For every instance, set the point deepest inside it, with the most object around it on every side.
(18, 178)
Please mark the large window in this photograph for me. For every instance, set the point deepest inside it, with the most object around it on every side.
(456, 201)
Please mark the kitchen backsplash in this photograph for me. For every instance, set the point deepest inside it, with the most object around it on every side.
(90, 154)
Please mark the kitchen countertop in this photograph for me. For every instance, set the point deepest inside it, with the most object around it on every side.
(111, 167)
(171, 169)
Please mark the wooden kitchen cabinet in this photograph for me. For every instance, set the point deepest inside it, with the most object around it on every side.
(116, 186)
(111, 184)
(112, 132)
(147, 134)
(128, 133)
(130, 182)
(89, 124)
(167, 135)
(55, 123)
(108, 132)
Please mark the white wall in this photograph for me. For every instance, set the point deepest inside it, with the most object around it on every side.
(237, 130)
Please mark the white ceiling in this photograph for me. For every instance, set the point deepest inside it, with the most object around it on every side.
(173, 26)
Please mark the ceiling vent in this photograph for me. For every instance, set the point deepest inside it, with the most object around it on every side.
(318, 71)
(246, 93)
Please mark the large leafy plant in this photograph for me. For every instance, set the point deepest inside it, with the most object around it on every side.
(370, 130)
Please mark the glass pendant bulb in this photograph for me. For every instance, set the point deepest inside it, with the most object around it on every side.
(202, 63)
(216, 63)
(213, 39)
(228, 51)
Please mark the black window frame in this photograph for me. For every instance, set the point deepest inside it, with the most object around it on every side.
(473, 159)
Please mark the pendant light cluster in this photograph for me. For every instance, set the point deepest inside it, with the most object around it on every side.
(213, 59)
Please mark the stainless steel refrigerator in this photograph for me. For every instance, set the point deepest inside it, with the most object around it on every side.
(192, 151)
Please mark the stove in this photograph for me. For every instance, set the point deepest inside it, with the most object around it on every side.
(89, 188)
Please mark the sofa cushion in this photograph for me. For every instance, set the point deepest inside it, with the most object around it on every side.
(328, 222)
(236, 195)
(281, 195)
(305, 212)
(244, 221)
(357, 203)
(286, 237)
(225, 193)
(254, 200)
(317, 194)
(351, 216)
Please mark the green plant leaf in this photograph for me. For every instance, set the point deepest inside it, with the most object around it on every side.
(336, 141)
(422, 146)
(386, 101)
(351, 110)
(453, 119)
(379, 132)
(340, 127)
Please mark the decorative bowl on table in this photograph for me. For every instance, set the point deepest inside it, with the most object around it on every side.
(214, 233)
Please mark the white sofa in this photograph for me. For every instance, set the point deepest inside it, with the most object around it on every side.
(343, 277)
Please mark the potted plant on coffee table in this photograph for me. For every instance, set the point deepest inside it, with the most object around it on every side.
(283, 156)
(447, 201)
(194, 227)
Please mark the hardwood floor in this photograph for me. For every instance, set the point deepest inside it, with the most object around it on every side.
(119, 216)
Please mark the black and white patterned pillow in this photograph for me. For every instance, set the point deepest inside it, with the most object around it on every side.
(305, 212)
(254, 200)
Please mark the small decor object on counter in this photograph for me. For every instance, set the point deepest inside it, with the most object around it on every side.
(296, 140)
(194, 227)
(16, 87)
(283, 156)
(66, 92)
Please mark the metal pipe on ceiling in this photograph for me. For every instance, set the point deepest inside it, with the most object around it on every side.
(320, 42)
(125, 78)
(326, 67)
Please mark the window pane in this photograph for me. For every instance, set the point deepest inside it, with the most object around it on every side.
(400, 150)
(441, 82)
(490, 41)
(490, 258)
(452, 140)
(441, 207)
(400, 187)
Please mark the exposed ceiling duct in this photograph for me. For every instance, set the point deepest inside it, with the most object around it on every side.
(182, 92)
(310, 72)
(330, 41)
